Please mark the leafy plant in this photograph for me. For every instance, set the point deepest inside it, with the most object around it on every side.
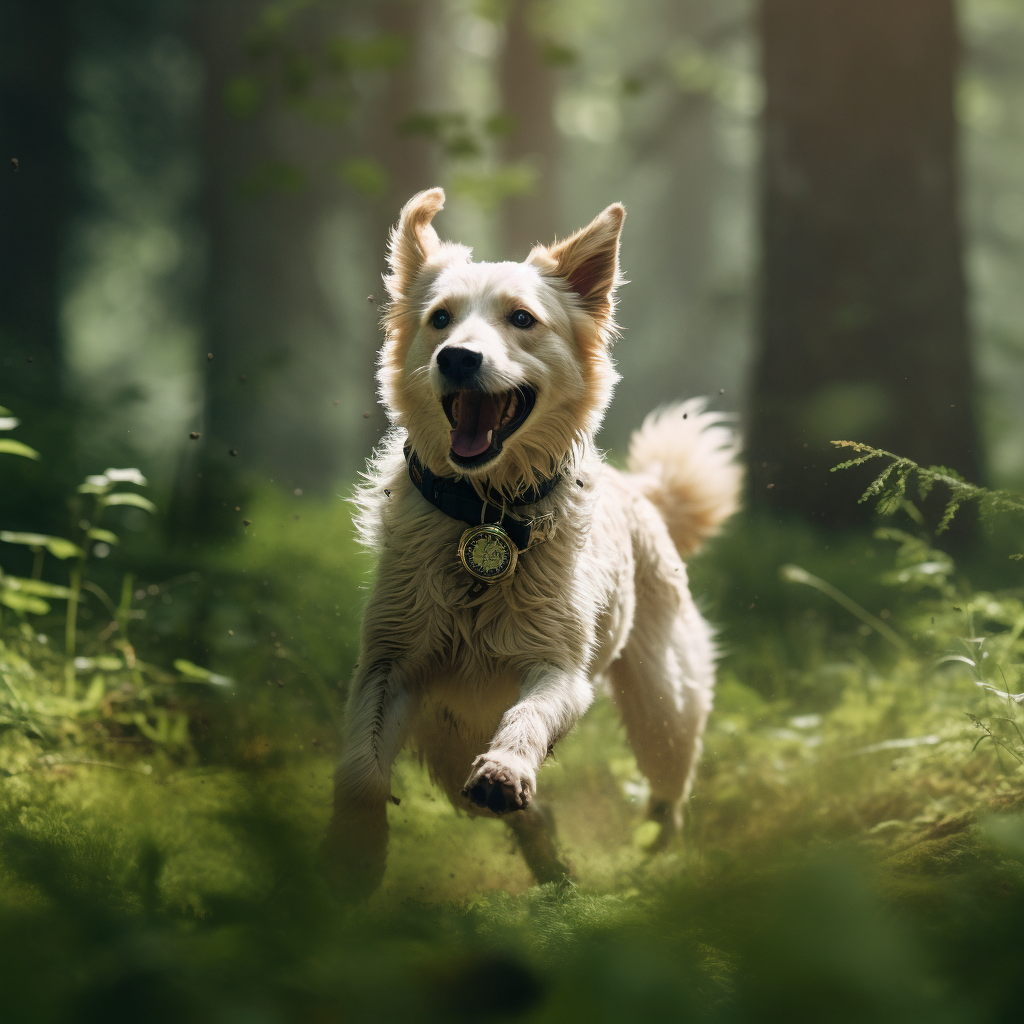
(107, 693)
(890, 486)
(989, 653)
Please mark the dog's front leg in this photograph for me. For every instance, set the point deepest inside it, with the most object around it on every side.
(551, 700)
(355, 846)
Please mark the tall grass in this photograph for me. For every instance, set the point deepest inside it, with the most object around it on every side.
(854, 849)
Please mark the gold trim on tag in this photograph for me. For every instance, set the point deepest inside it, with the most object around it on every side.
(488, 553)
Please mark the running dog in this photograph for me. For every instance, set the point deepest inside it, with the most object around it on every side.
(518, 571)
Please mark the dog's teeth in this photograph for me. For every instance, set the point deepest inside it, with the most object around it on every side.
(510, 409)
(489, 434)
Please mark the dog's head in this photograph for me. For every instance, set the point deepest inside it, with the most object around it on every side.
(498, 370)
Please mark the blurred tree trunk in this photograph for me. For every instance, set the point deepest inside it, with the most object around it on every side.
(291, 379)
(407, 160)
(38, 199)
(269, 386)
(863, 322)
(527, 82)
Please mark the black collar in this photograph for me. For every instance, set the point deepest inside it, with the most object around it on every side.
(458, 499)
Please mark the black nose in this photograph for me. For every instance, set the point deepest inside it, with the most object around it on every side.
(459, 365)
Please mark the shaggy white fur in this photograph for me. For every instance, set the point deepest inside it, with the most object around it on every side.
(483, 681)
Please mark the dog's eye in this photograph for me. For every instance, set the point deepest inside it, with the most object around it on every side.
(520, 318)
(441, 319)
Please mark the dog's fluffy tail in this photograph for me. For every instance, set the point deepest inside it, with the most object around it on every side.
(684, 460)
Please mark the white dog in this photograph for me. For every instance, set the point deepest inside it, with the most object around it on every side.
(517, 569)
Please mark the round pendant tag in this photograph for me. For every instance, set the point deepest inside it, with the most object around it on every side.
(488, 553)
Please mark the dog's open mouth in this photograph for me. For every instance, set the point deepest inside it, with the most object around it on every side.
(482, 422)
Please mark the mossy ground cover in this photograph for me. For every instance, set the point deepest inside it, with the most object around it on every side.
(852, 852)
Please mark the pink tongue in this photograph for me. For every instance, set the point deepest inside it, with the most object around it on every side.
(476, 414)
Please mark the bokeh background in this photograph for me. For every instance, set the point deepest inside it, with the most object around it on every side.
(221, 178)
(825, 235)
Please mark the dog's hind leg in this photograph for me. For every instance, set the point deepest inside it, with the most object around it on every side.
(534, 829)
(354, 849)
(663, 684)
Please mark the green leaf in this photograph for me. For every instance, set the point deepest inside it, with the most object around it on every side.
(126, 476)
(488, 189)
(501, 125)
(59, 547)
(23, 602)
(947, 517)
(38, 587)
(376, 53)
(892, 497)
(105, 535)
(196, 673)
(128, 498)
(558, 56)
(8, 422)
(272, 176)
(243, 97)
(8, 446)
(366, 176)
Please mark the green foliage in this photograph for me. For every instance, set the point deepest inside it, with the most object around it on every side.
(243, 96)
(890, 486)
(331, 80)
(97, 692)
(557, 55)
(852, 850)
(491, 187)
(366, 176)
(385, 51)
(9, 446)
(451, 129)
(272, 176)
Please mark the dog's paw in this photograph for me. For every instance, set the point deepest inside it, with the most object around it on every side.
(669, 816)
(500, 782)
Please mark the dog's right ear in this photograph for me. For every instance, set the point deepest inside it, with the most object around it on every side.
(413, 241)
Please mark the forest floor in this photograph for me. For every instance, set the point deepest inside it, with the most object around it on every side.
(852, 852)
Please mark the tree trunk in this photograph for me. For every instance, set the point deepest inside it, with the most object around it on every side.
(407, 160)
(682, 165)
(863, 323)
(274, 343)
(38, 199)
(527, 83)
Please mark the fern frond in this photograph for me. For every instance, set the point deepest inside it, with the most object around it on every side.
(890, 485)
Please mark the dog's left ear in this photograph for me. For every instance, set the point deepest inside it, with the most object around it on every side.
(588, 261)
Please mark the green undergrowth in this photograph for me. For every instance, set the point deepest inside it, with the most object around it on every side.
(890, 890)
(853, 851)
